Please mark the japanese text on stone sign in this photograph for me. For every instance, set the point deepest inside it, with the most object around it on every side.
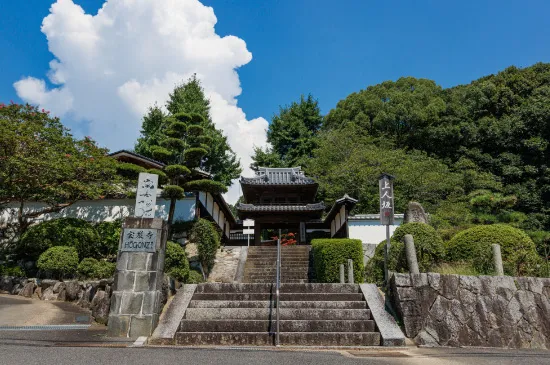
(146, 196)
(144, 240)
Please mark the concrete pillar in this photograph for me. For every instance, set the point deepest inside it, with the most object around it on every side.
(497, 260)
(350, 271)
(342, 274)
(257, 234)
(137, 290)
(410, 253)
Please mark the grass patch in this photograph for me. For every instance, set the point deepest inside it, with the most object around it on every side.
(456, 268)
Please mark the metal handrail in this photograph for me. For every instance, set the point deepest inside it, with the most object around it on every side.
(278, 286)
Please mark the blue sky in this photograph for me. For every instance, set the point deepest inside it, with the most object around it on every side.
(329, 48)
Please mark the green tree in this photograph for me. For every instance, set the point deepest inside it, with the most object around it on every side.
(182, 147)
(41, 161)
(189, 97)
(291, 134)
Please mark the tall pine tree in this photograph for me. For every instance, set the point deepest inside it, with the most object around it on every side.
(220, 160)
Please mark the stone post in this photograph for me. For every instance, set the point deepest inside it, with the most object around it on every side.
(410, 253)
(342, 274)
(137, 295)
(350, 271)
(497, 260)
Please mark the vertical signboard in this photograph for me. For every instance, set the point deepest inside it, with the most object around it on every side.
(146, 196)
(385, 184)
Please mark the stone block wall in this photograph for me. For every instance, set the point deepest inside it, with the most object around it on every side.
(489, 311)
(137, 297)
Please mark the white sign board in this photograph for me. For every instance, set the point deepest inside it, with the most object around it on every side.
(248, 231)
(146, 196)
(248, 223)
(138, 239)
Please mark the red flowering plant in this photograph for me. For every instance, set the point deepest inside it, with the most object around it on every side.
(287, 239)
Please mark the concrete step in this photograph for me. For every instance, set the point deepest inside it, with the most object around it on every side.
(283, 281)
(283, 296)
(290, 269)
(269, 313)
(285, 288)
(231, 325)
(283, 304)
(273, 276)
(273, 264)
(286, 338)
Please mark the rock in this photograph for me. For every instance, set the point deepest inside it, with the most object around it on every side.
(87, 296)
(100, 306)
(415, 214)
(72, 288)
(58, 287)
(46, 283)
(48, 294)
(37, 293)
(62, 295)
(16, 289)
(27, 290)
(6, 284)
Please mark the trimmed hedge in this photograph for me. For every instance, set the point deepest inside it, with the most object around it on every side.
(194, 277)
(430, 251)
(329, 253)
(72, 232)
(59, 261)
(207, 239)
(90, 268)
(176, 264)
(210, 186)
(473, 245)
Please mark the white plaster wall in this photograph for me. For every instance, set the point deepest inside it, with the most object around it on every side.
(104, 210)
(370, 231)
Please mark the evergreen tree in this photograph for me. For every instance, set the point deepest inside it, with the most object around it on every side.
(292, 135)
(220, 160)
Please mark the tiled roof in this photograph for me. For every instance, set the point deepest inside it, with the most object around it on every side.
(368, 217)
(278, 176)
(281, 208)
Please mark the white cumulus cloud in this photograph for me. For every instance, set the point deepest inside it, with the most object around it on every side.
(110, 67)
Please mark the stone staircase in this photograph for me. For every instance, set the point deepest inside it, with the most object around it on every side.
(310, 315)
(261, 264)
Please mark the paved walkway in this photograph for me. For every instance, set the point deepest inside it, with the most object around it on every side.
(19, 311)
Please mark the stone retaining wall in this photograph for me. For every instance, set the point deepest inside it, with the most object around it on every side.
(492, 311)
(94, 295)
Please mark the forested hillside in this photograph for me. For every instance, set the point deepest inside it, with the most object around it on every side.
(472, 154)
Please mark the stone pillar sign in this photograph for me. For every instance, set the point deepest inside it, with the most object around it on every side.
(136, 299)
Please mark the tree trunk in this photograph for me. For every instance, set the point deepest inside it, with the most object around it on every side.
(171, 216)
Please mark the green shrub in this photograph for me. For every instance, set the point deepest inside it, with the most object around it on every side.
(194, 277)
(129, 170)
(87, 268)
(473, 245)
(12, 271)
(59, 261)
(430, 251)
(329, 253)
(90, 268)
(105, 269)
(207, 239)
(109, 237)
(72, 232)
(176, 264)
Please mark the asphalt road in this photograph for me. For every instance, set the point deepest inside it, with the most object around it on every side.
(18, 353)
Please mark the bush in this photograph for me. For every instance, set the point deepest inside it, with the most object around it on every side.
(213, 187)
(87, 268)
(207, 239)
(430, 251)
(59, 261)
(129, 170)
(176, 264)
(90, 268)
(473, 245)
(109, 237)
(12, 271)
(71, 232)
(194, 277)
(329, 253)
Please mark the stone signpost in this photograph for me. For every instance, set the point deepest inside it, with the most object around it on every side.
(137, 296)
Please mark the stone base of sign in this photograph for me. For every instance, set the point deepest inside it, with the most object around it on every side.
(137, 295)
